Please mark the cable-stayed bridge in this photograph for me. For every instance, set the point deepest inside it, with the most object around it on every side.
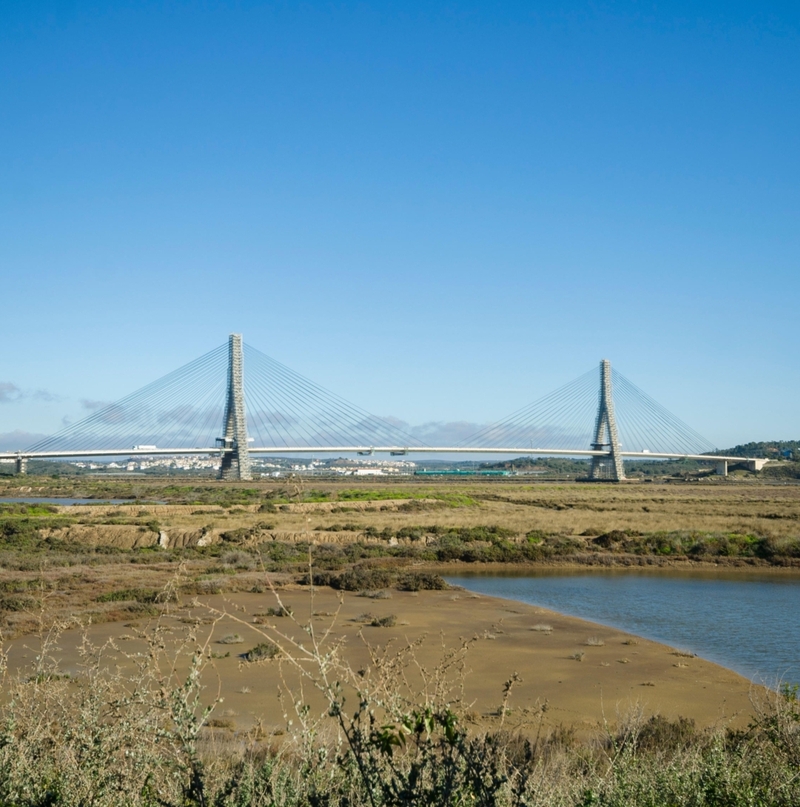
(236, 402)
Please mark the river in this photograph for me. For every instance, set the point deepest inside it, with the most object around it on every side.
(746, 623)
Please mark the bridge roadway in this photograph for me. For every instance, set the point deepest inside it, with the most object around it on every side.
(753, 463)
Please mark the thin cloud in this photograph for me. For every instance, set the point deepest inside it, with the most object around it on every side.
(45, 395)
(9, 392)
(88, 403)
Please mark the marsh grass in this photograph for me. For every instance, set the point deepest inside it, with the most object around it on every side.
(109, 554)
(133, 726)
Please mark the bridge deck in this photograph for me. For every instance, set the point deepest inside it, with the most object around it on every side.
(369, 450)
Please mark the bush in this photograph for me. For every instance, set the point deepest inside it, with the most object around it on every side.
(660, 734)
(421, 581)
(279, 611)
(145, 595)
(384, 622)
(363, 577)
(262, 652)
(11, 602)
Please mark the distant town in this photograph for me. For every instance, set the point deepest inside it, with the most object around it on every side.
(785, 456)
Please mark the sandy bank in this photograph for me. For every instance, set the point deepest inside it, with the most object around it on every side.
(573, 672)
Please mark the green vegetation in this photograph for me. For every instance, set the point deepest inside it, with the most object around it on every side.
(364, 577)
(219, 541)
(262, 652)
(766, 448)
(145, 595)
(783, 470)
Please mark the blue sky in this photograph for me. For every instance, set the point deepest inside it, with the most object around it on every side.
(440, 211)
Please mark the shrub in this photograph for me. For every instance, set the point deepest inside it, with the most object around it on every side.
(11, 602)
(146, 595)
(262, 652)
(610, 540)
(384, 622)
(363, 577)
(659, 734)
(279, 611)
(421, 581)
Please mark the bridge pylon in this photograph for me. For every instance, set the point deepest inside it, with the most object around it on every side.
(606, 436)
(235, 457)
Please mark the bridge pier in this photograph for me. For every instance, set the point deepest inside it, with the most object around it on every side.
(21, 466)
(721, 468)
(756, 465)
(606, 423)
(236, 457)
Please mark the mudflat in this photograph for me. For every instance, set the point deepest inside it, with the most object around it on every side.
(569, 672)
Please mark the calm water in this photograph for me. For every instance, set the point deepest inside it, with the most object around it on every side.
(747, 624)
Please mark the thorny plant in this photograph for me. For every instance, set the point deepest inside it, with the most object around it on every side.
(402, 735)
(123, 727)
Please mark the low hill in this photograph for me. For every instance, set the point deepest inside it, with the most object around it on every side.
(770, 449)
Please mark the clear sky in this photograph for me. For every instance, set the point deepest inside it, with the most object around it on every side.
(440, 211)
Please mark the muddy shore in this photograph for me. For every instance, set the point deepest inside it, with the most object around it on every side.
(572, 672)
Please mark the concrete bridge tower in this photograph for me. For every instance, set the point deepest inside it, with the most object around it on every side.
(606, 436)
(235, 458)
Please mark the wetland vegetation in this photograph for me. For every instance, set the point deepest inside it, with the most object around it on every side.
(153, 735)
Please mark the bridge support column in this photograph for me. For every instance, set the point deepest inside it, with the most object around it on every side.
(610, 466)
(756, 465)
(721, 468)
(235, 458)
(21, 465)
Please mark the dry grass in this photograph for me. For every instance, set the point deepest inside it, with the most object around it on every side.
(712, 506)
(217, 548)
